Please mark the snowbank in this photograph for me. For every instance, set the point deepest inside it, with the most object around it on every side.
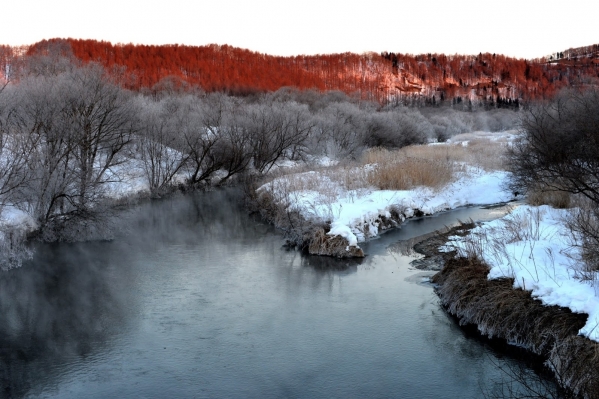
(355, 214)
(533, 246)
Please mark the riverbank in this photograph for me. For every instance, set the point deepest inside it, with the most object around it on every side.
(499, 310)
(330, 209)
(127, 185)
(320, 214)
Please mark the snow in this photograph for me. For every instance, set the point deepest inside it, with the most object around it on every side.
(12, 217)
(464, 139)
(126, 179)
(533, 246)
(353, 214)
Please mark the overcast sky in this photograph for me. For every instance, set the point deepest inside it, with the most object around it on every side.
(521, 28)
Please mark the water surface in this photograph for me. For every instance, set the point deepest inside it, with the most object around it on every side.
(199, 300)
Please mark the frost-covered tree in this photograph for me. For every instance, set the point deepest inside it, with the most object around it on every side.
(278, 130)
(160, 140)
(203, 136)
(15, 148)
(396, 128)
(342, 126)
(76, 124)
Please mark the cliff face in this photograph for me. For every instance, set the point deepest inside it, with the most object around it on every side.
(431, 79)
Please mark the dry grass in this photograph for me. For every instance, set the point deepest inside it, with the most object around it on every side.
(431, 165)
(424, 165)
(480, 153)
(500, 311)
(554, 198)
(396, 170)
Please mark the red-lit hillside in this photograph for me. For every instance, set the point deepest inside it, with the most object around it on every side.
(381, 77)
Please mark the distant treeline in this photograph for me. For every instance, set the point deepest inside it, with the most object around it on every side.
(491, 80)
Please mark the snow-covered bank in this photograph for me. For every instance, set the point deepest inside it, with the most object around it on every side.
(533, 246)
(356, 214)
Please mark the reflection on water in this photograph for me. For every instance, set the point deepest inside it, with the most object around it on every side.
(197, 299)
(61, 308)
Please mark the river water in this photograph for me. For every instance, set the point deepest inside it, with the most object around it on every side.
(197, 299)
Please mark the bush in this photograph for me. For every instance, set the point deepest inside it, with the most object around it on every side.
(559, 148)
(558, 155)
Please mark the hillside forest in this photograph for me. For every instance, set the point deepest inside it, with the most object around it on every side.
(490, 80)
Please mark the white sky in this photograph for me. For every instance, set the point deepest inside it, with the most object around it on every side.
(521, 28)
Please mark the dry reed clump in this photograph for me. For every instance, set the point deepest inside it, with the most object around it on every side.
(554, 198)
(482, 153)
(336, 246)
(396, 170)
(487, 155)
(500, 311)
(430, 165)
(575, 362)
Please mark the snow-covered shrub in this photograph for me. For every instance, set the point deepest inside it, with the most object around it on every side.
(396, 128)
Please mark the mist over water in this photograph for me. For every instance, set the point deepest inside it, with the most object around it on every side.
(197, 299)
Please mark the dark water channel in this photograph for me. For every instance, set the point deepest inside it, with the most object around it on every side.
(199, 300)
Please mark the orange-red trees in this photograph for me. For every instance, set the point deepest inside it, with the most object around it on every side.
(483, 77)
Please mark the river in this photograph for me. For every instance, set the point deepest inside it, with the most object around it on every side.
(196, 299)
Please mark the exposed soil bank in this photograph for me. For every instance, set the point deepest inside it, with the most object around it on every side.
(500, 311)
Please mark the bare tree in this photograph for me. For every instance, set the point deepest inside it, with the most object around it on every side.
(160, 139)
(278, 129)
(559, 148)
(75, 124)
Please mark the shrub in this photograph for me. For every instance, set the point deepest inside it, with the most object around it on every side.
(559, 148)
